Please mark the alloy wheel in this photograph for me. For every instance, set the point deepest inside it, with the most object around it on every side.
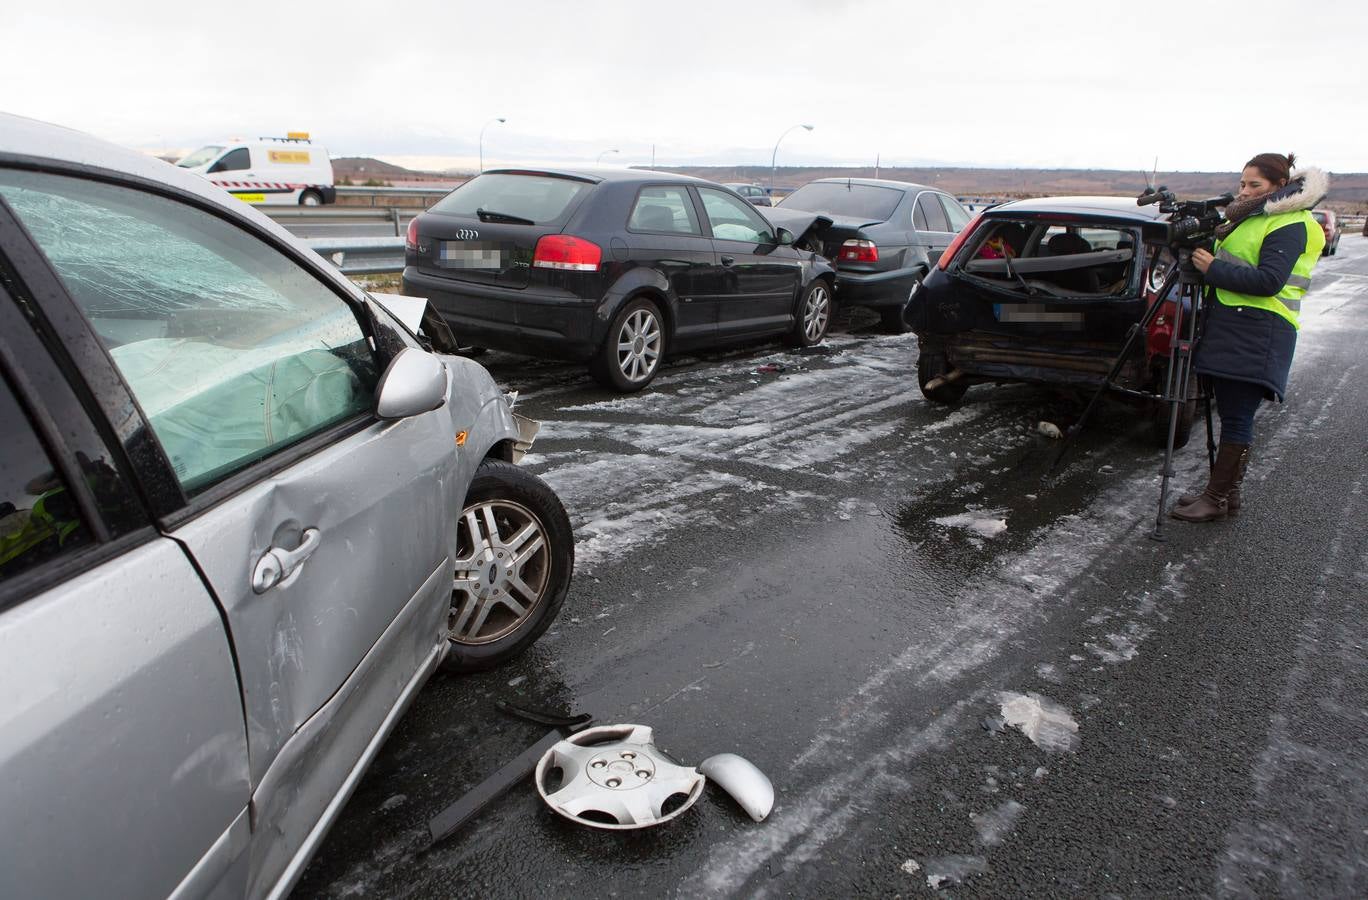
(638, 349)
(501, 573)
(816, 312)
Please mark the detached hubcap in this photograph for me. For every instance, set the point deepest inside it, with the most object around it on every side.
(501, 573)
(639, 346)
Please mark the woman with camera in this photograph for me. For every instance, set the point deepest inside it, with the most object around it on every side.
(1256, 278)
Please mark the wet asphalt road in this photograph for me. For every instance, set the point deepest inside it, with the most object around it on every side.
(820, 571)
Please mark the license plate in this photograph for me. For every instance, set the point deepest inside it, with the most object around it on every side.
(470, 255)
(1035, 314)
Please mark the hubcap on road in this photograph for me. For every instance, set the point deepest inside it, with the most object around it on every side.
(502, 571)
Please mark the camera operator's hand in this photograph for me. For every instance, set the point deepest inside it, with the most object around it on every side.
(1202, 259)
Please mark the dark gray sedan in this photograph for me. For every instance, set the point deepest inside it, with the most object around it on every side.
(884, 236)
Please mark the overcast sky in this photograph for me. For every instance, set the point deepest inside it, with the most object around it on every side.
(1200, 85)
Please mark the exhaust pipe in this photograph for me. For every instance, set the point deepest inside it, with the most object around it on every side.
(949, 377)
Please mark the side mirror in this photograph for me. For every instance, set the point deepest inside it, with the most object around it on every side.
(785, 237)
(414, 383)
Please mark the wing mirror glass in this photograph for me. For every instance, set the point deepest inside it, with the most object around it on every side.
(785, 237)
(414, 383)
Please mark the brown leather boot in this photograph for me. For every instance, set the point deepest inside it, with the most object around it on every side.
(1214, 502)
(1232, 499)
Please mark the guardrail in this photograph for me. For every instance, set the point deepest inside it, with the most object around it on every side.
(361, 256)
(393, 217)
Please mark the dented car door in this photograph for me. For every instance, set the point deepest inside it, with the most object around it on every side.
(321, 531)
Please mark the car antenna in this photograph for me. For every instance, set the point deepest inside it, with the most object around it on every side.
(1152, 179)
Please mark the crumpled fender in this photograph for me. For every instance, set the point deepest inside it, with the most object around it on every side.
(797, 221)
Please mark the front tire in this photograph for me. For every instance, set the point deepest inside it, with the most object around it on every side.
(814, 315)
(311, 198)
(515, 557)
(632, 351)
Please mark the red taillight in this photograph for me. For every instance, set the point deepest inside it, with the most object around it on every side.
(958, 242)
(859, 251)
(563, 251)
(411, 239)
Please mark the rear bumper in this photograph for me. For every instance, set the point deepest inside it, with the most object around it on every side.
(994, 357)
(527, 321)
(875, 288)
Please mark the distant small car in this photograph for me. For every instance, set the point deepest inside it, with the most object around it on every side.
(753, 193)
(618, 269)
(883, 236)
(245, 514)
(1329, 223)
(1045, 291)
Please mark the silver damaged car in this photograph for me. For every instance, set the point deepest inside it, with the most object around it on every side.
(245, 512)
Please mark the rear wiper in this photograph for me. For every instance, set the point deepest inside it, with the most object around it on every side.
(1013, 273)
(489, 215)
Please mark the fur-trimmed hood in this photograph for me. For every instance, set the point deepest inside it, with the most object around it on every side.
(1305, 189)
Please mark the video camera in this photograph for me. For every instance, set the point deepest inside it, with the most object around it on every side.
(1192, 223)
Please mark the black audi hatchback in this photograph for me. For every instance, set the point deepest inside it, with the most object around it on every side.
(618, 268)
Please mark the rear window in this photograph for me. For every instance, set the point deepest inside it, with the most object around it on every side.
(538, 198)
(840, 198)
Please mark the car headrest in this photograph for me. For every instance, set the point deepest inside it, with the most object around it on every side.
(1065, 243)
(655, 218)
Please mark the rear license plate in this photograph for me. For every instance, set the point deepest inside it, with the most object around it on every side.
(1035, 314)
(470, 255)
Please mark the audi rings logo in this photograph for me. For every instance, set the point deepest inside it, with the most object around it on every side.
(467, 234)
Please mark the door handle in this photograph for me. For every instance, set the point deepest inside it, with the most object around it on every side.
(728, 260)
(279, 568)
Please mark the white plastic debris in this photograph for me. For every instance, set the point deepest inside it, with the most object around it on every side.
(1050, 430)
(1049, 725)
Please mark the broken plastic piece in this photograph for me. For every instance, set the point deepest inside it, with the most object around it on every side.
(1050, 430)
(739, 777)
(613, 777)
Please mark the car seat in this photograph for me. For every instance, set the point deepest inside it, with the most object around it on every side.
(1014, 236)
(1085, 280)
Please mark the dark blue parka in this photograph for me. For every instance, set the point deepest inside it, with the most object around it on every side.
(1246, 343)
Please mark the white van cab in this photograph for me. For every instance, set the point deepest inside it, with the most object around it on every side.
(272, 171)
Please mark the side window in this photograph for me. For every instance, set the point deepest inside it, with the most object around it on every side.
(954, 213)
(234, 161)
(734, 220)
(232, 350)
(667, 209)
(39, 520)
(930, 215)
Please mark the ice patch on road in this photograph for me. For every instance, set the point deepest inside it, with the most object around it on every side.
(1049, 726)
(985, 523)
(996, 824)
(944, 870)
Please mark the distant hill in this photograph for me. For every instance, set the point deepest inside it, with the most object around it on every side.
(1348, 192)
(360, 169)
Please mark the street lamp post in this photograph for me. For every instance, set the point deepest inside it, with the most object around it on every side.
(775, 154)
(599, 161)
(482, 130)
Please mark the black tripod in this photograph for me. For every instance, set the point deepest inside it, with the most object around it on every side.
(1178, 380)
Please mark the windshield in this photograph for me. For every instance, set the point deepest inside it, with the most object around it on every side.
(200, 157)
(843, 198)
(533, 198)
